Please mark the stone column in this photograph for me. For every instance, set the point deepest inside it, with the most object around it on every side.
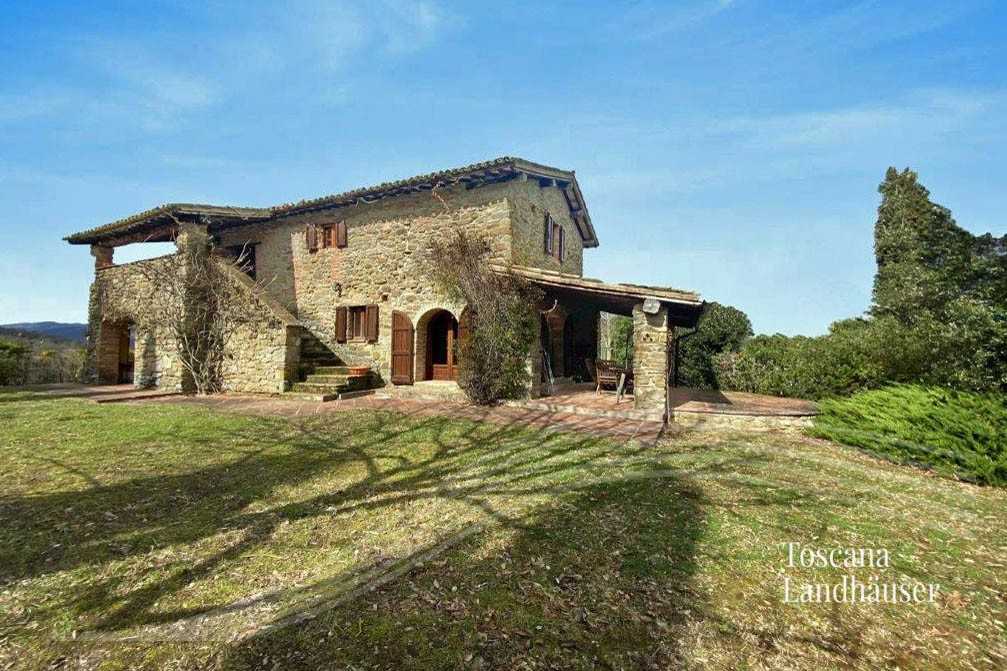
(193, 243)
(651, 358)
(102, 256)
(192, 234)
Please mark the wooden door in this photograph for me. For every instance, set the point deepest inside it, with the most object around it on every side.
(402, 349)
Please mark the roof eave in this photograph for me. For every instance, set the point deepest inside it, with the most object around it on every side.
(163, 215)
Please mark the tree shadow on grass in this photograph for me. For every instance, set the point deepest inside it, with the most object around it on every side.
(600, 577)
(138, 518)
(600, 574)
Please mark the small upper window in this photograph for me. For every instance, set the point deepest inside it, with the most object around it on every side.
(555, 238)
(550, 234)
(334, 235)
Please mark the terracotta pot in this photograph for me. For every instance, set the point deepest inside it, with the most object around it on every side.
(359, 370)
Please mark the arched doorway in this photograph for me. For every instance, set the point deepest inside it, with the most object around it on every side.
(442, 337)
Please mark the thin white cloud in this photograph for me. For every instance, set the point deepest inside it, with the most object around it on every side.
(40, 102)
(925, 113)
(653, 20)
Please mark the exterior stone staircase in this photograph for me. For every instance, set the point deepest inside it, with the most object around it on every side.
(324, 376)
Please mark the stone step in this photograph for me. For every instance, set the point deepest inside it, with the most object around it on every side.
(305, 396)
(312, 388)
(315, 378)
(321, 361)
(325, 398)
(339, 380)
(332, 379)
(331, 370)
(318, 354)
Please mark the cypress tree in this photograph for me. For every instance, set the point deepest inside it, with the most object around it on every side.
(924, 259)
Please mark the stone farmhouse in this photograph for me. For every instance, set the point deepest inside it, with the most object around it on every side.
(343, 286)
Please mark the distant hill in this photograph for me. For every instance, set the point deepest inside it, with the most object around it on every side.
(57, 330)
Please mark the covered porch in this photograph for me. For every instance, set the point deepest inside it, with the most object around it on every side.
(566, 354)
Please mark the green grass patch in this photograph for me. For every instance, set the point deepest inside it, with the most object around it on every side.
(169, 535)
(957, 434)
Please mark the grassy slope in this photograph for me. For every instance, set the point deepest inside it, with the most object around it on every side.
(956, 434)
(537, 548)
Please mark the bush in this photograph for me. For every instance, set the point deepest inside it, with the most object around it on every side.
(13, 361)
(957, 434)
(621, 339)
(858, 354)
(492, 363)
(722, 328)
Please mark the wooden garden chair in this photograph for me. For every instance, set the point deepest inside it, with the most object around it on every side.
(606, 373)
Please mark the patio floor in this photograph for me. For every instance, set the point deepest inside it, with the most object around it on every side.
(99, 393)
(582, 399)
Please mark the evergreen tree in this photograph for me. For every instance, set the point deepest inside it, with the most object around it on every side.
(924, 259)
(722, 328)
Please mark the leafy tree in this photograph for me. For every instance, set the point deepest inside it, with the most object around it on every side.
(13, 358)
(722, 328)
(620, 341)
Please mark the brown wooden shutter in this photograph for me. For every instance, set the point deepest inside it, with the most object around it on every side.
(402, 349)
(372, 323)
(340, 229)
(311, 237)
(561, 244)
(341, 324)
(548, 234)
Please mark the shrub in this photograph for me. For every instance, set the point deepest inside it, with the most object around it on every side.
(13, 360)
(857, 354)
(722, 328)
(621, 339)
(957, 434)
(502, 321)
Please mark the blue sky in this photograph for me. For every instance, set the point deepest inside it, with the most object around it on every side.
(733, 148)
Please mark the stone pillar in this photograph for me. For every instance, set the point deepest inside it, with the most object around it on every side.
(102, 256)
(555, 320)
(602, 326)
(193, 243)
(651, 358)
(192, 234)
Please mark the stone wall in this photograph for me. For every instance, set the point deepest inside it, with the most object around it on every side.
(261, 354)
(387, 259)
(529, 203)
(651, 337)
(120, 299)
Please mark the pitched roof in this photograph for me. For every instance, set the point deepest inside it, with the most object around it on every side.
(476, 174)
(163, 214)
